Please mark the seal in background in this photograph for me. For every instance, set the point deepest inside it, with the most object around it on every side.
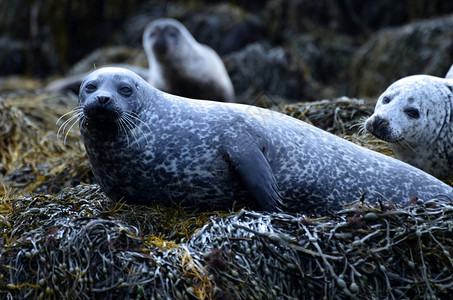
(179, 65)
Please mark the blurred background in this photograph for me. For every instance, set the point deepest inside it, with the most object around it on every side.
(297, 50)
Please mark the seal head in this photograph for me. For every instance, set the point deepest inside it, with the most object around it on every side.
(414, 115)
(107, 109)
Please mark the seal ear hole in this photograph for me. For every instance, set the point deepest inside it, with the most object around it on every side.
(412, 113)
(386, 100)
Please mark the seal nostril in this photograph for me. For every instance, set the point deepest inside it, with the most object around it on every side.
(379, 123)
(103, 99)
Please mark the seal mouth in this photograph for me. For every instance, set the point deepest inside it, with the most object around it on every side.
(100, 119)
(379, 127)
(160, 46)
(386, 136)
(101, 114)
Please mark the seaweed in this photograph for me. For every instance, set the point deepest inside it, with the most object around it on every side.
(61, 237)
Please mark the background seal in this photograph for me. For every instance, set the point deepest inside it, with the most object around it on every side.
(147, 146)
(179, 65)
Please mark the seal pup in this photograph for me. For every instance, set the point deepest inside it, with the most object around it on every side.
(146, 146)
(414, 115)
(179, 65)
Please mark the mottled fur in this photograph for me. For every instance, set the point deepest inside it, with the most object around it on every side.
(210, 154)
(414, 115)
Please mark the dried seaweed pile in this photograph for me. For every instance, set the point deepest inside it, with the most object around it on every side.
(342, 116)
(33, 158)
(78, 246)
(339, 116)
(359, 253)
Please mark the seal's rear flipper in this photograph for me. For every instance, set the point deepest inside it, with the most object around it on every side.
(449, 73)
(256, 174)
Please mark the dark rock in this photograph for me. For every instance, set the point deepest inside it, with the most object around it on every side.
(259, 68)
(285, 18)
(424, 47)
(223, 27)
(60, 31)
(327, 55)
(13, 56)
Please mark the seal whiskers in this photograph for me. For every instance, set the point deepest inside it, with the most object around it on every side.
(77, 115)
(128, 126)
(124, 127)
(130, 117)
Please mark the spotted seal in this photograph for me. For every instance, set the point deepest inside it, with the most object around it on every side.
(146, 146)
(179, 65)
(414, 115)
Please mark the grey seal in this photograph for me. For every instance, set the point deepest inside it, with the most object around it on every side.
(179, 65)
(414, 115)
(146, 146)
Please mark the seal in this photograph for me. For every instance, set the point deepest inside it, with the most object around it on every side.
(414, 115)
(146, 146)
(179, 65)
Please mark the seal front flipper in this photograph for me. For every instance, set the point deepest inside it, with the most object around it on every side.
(254, 171)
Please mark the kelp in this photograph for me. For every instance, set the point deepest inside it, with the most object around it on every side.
(33, 158)
(79, 245)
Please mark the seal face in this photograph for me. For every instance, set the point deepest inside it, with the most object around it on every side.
(179, 65)
(208, 154)
(414, 115)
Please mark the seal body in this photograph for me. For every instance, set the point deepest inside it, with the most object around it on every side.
(179, 65)
(414, 115)
(147, 146)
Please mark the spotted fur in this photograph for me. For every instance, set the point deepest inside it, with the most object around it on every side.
(414, 115)
(216, 155)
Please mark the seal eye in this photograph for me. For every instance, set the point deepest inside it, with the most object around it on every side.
(125, 91)
(90, 88)
(386, 100)
(412, 113)
(172, 32)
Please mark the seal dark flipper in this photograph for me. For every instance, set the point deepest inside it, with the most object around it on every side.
(256, 174)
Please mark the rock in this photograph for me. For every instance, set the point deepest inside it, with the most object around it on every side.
(284, 18)
(424, 47)
(224, 27)
(60, 31)
(13, 56)
(327, 55)
(259, 68)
